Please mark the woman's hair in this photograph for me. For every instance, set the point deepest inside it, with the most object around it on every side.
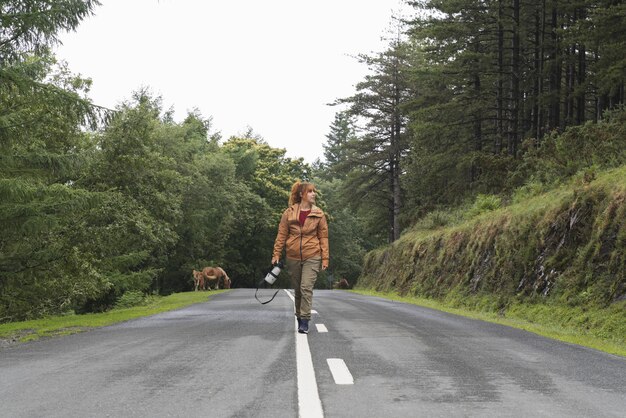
(298, 189)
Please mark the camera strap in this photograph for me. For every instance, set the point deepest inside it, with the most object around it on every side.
(257, 290)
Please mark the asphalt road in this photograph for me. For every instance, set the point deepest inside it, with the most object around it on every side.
(232, 357)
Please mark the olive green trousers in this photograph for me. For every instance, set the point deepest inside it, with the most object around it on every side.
(303, 276)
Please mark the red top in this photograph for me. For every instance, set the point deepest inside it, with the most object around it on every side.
(303, 215)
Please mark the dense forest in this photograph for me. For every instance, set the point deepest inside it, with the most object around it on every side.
(472, 104)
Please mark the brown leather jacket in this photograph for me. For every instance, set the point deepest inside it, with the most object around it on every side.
(308, 241)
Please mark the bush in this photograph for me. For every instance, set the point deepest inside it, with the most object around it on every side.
(530, 189)
(483, 204)
(559, 156)
(435, 219)
(130, 299)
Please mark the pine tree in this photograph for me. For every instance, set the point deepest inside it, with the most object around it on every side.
(342, 132)
(373, 159)
(41, 114)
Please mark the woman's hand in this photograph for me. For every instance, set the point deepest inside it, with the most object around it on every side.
(275, 260)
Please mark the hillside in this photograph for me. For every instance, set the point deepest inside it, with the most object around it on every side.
(558, 257)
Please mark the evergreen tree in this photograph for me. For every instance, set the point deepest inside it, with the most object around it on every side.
(42, 110)
(134, 159)
(499, 73)
(604, 32)
(342, 132)
(373, 159)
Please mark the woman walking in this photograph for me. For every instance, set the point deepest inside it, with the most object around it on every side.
(303, 230)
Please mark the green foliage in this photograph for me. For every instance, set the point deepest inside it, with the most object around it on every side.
(347, 236)
(92, 220)
(608, 323)
(342, 133)
(266, 170)
(558, 157)
(565, 247)
(67, 324)
(43, 271)
(436, 219)
(599, 328)
(606, 32)
(132, 298)
(34, 24)
(145, 189)
(262, 194)
(372, 162)
(529, 190)
(489, 76)
(484, 204)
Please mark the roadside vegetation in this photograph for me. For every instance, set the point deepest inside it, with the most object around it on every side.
(129, 308)
(567, 324)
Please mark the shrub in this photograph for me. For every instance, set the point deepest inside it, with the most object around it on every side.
(483, 204)
(559, 156)
(435, 219)
(130, 299)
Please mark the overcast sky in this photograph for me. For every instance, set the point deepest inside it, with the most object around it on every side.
(270, 65)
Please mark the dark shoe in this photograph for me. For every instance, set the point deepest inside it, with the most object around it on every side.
(304, 326)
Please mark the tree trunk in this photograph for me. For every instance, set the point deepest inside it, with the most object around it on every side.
(581, 99)
(570, 84)
(396, 200)
(515, 82)
(394, 160)
(555, 75)
(500, 89)
(478, 134)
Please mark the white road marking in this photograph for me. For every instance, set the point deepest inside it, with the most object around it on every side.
(321, 328)
(309, 403)
(313, 311)
(340, 371)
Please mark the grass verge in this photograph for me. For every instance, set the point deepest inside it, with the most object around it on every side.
(16, 332)
(516, 318)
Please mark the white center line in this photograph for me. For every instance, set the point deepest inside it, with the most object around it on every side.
(321, 328)
(340, 371)
(309, 403)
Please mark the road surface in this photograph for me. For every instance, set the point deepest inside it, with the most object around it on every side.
(364, 357)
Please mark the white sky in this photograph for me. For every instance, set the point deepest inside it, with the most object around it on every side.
(271, 65)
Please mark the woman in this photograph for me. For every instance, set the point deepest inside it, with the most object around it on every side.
(303, 230)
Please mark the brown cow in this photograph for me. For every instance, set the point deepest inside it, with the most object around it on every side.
(216, 273)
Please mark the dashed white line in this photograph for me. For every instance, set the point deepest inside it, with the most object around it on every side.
(321, 328)
(340, 371)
